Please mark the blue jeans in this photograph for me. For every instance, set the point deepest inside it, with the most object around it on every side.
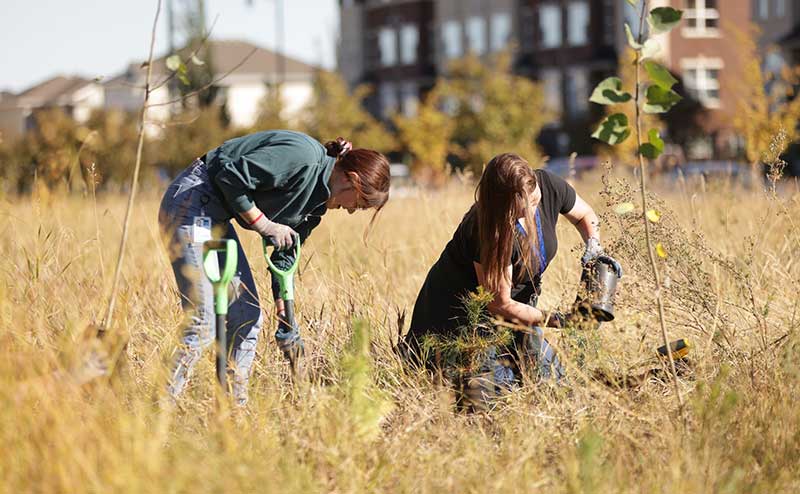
(191, 195)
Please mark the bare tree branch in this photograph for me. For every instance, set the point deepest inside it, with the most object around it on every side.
(210, 84)
(106, 324)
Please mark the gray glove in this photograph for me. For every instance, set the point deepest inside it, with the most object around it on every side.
(280, 236)
(593, 251)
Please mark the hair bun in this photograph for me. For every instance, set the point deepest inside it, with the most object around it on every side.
(338, 148)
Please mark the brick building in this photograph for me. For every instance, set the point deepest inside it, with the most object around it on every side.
(401, 46)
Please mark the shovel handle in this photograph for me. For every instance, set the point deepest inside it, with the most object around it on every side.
(285, 276)
(220, 282)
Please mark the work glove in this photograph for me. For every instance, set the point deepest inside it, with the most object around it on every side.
(594, 252)
(279, 236)
(291, 345)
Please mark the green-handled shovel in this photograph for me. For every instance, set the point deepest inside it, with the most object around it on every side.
(286, 287)
(220, 284)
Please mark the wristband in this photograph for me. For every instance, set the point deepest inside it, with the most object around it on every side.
(256, 220)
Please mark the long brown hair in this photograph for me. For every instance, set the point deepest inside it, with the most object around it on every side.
(502, 196)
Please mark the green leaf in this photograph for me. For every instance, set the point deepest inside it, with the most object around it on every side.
(650, 48)
(659, 74)
(624, 208)
(197, 61)
(633, 2)
(613, 130)
(654, 148)
(173, 62)
(660, 100)
(185, 80)
(609, 92)
(631, 40)
(663, 19)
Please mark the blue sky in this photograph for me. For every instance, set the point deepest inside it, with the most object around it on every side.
(43, 38)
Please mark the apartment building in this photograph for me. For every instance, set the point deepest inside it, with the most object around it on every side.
(401, 46)
(389, 45)
(570, 46)
(779, 22)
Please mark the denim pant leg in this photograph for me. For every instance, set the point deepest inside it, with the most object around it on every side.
(197, 301)
(542, 355)
(244, 323)
(190, 195)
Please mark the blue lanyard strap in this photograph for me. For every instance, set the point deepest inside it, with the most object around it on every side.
(542, 253)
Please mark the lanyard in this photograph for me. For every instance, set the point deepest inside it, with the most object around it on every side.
(541, 253)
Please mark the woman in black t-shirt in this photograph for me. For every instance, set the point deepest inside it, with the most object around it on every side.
(504, 243)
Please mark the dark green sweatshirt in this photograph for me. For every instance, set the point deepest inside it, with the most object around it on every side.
(284, 173)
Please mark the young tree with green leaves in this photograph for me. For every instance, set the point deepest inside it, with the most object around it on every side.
(766, 104)
(334, 111)
(495, 111)
(426, 137)
(655, 97)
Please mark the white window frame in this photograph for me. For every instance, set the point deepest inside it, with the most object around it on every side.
(579, 37)
(499, 31)
(476, 35)
(389, 98)
(543, 27)
(701, 14)
(780, 8)
(702, 84)
(577, 106)
(387, 45)
(409, 98)
(409, 44)
(762, 9)
(452, 44)
(553, 87)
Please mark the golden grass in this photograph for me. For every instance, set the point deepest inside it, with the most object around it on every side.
(733, 290)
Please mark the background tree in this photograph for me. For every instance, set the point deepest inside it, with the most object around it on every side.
(495, 111)
(334, 111)
(271, 111)
(426, 137)
(766, 103)
(186, 138)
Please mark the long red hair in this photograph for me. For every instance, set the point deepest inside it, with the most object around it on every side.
(368, 171)
(503, 196)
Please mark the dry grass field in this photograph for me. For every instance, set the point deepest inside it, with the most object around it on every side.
(366, 424)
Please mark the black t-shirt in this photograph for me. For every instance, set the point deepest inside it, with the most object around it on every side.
(439, 307)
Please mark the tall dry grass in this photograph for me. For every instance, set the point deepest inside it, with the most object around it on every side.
(367, 424)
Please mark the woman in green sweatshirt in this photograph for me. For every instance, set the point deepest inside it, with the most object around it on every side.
(277, 184)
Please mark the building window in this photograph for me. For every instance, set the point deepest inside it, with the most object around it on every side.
(780, 8)
(763, 9)
(476, 35)
(551, 86)
(451, 37)
(387, 42)
(500, 30)
(577, 23)
(701, 79)
(702, 19)
(409, 98)
(577, 91)
(387, 92)
(409, 42)
(550, 25)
